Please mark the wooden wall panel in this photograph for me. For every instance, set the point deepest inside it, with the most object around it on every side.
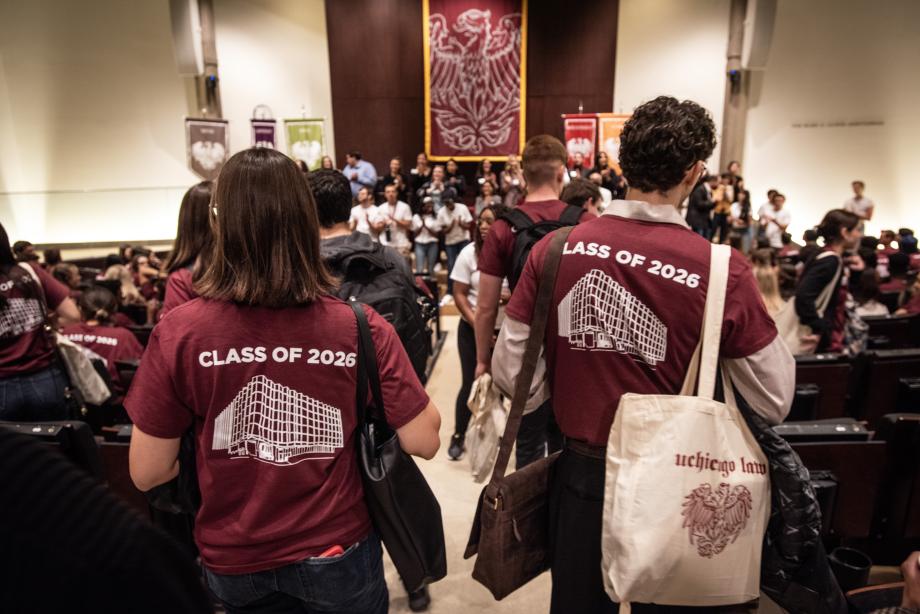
(376, 64)
(571, 57)
(375, 61)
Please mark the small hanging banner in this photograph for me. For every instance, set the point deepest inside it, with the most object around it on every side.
(580, 136)
(263, 133)
(207, 145)
(306, 140)
(610, 126)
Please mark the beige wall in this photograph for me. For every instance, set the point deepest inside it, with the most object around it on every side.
(830, 61)
(273, 52)
(92, 144)
(672, 47)
(839, 61)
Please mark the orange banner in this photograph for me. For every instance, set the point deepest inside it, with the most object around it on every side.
(610, 125)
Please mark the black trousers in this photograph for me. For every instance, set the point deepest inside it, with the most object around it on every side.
(576, 513)
(466, 346)
(538, 436)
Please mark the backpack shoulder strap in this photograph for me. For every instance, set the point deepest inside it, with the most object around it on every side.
(518, 219)
(571, 215)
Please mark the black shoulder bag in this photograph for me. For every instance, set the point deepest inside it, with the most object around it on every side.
(404, 511)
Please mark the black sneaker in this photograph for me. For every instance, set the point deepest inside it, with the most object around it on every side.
(419, 600)
(455, 451)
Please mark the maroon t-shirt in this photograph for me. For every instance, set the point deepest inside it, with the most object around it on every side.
(179, 289)
(271, 393)
(626, 316)
(498, 249)
(111, 342)
(24, 346)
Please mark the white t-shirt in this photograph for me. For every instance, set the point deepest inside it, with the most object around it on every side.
(772, 230)
(422, 233)
(860, 207)
(399, 237)
(363, 216)
(457, 234)
(466, 271)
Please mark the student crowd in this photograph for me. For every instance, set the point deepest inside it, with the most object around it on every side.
(250, 334)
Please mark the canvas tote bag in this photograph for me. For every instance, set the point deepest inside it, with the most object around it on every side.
(687, 491)
(80, 370)
(790, 329)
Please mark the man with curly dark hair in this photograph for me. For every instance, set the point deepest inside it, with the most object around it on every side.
(642, 261)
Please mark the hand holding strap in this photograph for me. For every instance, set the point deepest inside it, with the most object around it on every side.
(532, 352)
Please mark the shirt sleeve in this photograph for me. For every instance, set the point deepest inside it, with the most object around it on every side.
(416, 223)
(367, 175)
(55, 291)
(746, 326)
(497, 250)
(525, 292)
(406, 212)
(353, 217)
(152, 402)
(462, 271)
(404, 398)
(465, 213)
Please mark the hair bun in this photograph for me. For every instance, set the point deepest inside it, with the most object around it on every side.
(102, 314)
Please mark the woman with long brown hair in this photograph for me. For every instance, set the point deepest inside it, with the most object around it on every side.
(264, 365)
(192, 248)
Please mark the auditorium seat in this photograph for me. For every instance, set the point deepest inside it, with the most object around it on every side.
(138, 313)
(831, 374)
(893, 332)
(858, 467)
(899, 504)
(872, 598)
(890, 300)
(142, 332)
(886, 384)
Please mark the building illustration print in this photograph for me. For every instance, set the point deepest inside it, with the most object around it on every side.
(598, 314)
(20, 316)
(275, 424)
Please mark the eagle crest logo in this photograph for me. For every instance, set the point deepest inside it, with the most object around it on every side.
(715, 519)
(475, 80)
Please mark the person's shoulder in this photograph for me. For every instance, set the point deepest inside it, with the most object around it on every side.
(468, 249)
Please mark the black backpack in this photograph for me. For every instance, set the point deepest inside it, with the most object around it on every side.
(370, 278)
(527, 233)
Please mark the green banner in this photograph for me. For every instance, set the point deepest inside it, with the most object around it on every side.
(306, 140)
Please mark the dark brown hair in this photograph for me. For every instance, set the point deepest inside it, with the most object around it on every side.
(194, 238)
(98, 304)
(834, 221)
(542, 157)
(662, 140)
(266, 234)
(579, 191)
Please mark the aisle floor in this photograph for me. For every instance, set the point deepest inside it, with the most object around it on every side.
(457, 493)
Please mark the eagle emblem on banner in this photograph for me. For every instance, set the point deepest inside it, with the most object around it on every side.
(475, 85)
(716, 518)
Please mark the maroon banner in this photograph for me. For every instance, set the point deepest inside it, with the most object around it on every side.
(474, 78)
(581, 136)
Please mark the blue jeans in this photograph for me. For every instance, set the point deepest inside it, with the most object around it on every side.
(426, 256)
(351, 583)
(34, 397)
(452, 252)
